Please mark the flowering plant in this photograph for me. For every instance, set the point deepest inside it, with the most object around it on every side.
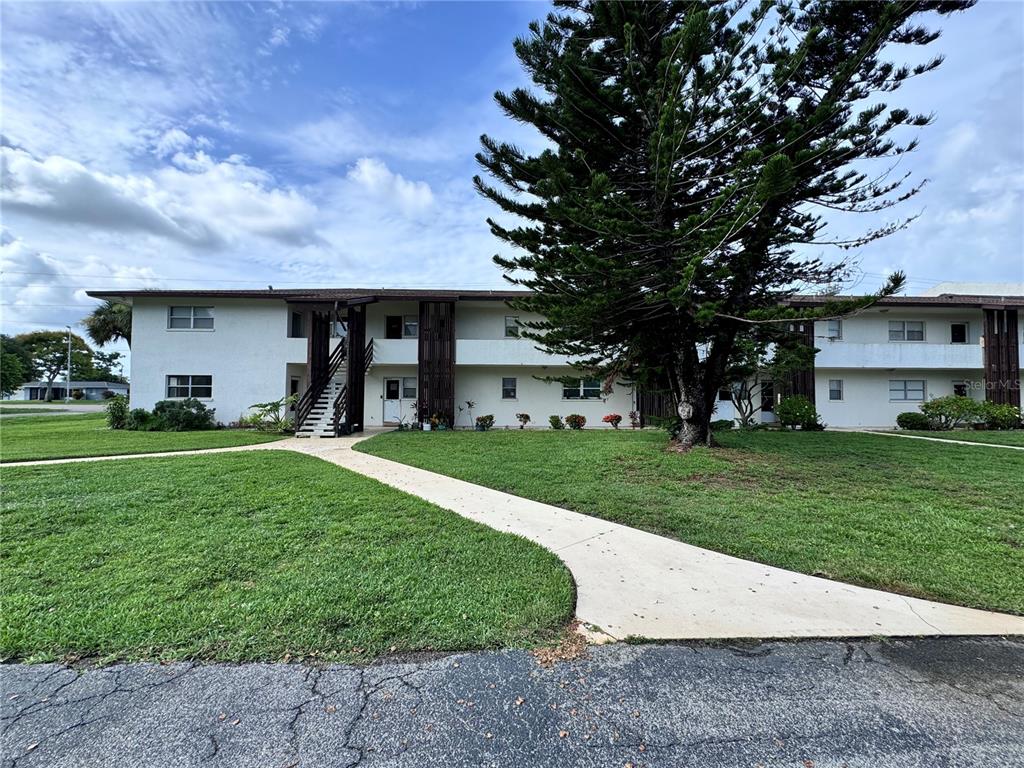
(575, 420)
(614, 419)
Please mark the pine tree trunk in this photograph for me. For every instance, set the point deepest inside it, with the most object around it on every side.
(695, 415)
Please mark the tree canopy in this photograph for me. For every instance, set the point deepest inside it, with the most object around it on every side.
(110, 321)
(697, 150)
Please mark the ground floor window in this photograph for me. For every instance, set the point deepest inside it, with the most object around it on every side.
(960, 388)
(181, 385)
(835, 389)
(409, 388)
(581, 389)
(906, 389)
(508, 388)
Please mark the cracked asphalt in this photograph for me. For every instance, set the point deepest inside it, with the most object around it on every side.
(930, 702)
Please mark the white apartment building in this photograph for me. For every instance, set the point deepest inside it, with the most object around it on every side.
(373, 357)
(907, 349)
(357, 357)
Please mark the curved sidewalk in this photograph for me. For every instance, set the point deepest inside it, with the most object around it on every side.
(631, 583)
(636, 584)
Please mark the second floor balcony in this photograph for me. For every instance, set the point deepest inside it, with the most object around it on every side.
(842, 354)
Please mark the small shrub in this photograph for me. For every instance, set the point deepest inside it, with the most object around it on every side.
(523, 419)
(1000, 416)
(797, 411)
(108, 394)
(556, 422)
(141, 420)
(634, 419)
(483, 423)
(614, 419)
(576, 421)
(721, 425)
(273, 416)
(77, 394)
(117, 412)
(951, 411)
(913, 420)
(183, 415)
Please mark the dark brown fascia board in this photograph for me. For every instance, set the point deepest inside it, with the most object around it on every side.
(949, 301)
(313, 296)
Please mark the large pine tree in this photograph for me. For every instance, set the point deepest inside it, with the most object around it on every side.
(694, 147)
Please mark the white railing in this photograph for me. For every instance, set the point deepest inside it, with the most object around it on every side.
(842, 354)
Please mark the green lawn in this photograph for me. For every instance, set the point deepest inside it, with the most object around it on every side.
(30, 409)
(1009, 437)
(255, 556)
(917, 517)
(61, 437)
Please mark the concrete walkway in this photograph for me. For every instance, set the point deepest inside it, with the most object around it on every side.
(940, 440)
(631, 583)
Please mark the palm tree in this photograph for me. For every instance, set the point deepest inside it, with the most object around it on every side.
(110, 321)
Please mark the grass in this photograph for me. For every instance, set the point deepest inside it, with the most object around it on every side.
(1008, 437)
(61, 437)
(915, 517)
(255, 556)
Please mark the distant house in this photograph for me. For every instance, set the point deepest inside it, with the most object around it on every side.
(91, 390)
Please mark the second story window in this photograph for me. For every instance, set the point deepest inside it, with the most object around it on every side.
(581, 389)
(295, 326)
(958, 333)
(906, 330)
(511, 327)
(834, 329)
(190, 318)
(410, 326)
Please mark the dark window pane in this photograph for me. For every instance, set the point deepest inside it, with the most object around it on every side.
(958, 333)
(202, 391)
(203, 322)
(207, 380)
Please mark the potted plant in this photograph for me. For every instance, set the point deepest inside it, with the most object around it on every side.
(523, 419)
(634, 419)
(483, 423)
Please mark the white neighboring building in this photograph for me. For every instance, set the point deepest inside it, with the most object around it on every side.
(908, 349)
(91, 390)
(358, 357)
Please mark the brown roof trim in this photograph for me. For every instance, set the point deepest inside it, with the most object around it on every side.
(943, 300)
(320, 295)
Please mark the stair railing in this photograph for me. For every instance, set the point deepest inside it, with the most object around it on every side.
(318, 385)
(341, 401)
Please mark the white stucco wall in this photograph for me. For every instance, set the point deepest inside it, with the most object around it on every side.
(866, 401)
(247, 352)
(539, 398)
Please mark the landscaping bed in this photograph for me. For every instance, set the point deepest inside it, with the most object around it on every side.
(910, 516)
(255, 556)
(61, 437)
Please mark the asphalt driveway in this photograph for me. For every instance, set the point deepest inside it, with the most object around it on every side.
(940, 701)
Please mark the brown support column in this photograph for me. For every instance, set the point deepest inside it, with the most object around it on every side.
(319, 345)
(355, 375)
(1002, 356)
(437, 361)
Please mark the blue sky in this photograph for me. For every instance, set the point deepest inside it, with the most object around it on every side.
(246, 144)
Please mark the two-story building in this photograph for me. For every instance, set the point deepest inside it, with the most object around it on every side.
(356, 357)
(907, 349)
(374, 357)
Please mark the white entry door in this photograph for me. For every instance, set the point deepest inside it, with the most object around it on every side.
(392, 401)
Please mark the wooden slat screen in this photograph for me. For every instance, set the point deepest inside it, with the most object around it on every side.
(437, 361)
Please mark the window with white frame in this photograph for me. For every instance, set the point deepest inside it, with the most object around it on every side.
(509, 387)
(911, 390)
(511, 327)
(410, 326)
(834, 329)
(191, 385)
(190, 318)
(581, 389)
(958, 333)
(906, 330)
(409, 388)
(835, 389)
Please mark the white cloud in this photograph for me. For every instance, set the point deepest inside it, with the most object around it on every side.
(959, 140)
(199, 201)
(378, 180)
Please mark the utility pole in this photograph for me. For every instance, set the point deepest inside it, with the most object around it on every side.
(67, 386)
